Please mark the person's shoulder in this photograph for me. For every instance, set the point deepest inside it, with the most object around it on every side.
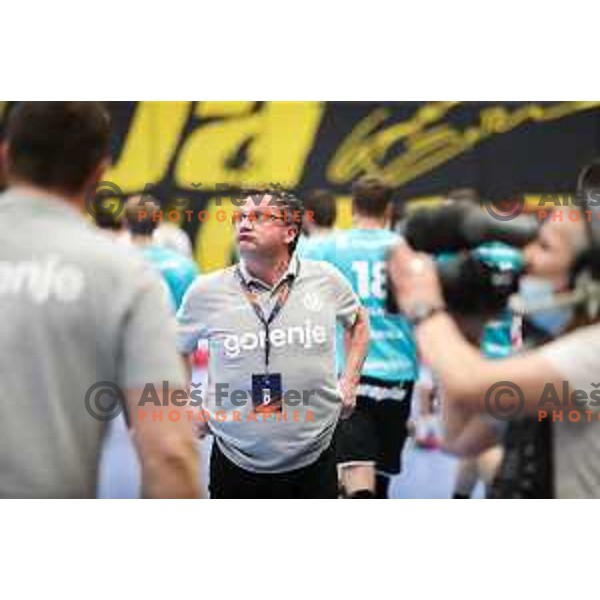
(583, 337)
(105, 256)
(386, 236)
(172, 257)
(369, 238)
(319, 268)
(213, 281)
(313, 247)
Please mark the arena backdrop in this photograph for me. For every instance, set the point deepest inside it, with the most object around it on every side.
(194, 150)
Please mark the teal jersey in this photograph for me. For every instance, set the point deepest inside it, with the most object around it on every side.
(496, 339)
(177, 271)
(310, 247)
(360, 255)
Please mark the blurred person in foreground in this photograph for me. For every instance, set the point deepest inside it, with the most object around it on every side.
(78, 310)
(371, 440)
(274, 397)
(467, 377)
(177, 271)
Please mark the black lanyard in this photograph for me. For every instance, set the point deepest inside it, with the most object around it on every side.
(282, 296)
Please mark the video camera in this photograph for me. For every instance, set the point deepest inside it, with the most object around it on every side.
(474, 286)
(473, 250)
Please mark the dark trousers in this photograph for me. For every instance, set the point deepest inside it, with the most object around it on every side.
(318, 480)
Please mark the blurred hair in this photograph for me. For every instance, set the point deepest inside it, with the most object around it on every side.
(323, 206)
(57, 145)
(106, 215)
(371, 195)
(141, 214)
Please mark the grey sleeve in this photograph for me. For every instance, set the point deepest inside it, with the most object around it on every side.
(190, 327)
(148, 352)
(346, 301)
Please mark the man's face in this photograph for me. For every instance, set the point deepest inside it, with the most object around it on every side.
(552, 253)
(261, 229)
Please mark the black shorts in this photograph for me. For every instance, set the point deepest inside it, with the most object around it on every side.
(376, 431)
(318, 480)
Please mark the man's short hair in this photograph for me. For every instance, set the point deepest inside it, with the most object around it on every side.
(106, 214)
(57, 145)
(286, 201)
(142, 214)
(323, 206)
(371, 195)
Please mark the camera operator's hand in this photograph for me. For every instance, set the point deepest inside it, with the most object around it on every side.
(414, 280)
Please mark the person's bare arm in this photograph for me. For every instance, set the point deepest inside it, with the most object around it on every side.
(356, 342)
(468, 379)
(468, 434)
(165, 445)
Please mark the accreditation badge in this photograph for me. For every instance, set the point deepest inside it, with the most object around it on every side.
(267, 396)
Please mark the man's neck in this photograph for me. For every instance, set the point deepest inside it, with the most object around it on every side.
(141, 240)
(270, 271)
(367, 222)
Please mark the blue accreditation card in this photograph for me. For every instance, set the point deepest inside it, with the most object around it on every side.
(267, 392)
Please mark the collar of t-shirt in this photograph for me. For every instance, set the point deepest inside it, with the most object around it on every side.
(266, 294)
(40, 203)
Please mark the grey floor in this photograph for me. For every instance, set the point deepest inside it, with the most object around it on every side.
(426, 473)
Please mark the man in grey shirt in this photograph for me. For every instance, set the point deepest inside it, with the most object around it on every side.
(273, 396)
(79, 314)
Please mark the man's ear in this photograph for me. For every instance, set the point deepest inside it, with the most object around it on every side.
(292, 232)
(87, 193)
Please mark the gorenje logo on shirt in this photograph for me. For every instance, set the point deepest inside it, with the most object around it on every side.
(305, 336)
(41, 280)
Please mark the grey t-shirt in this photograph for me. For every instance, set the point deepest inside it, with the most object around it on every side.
(576, 445)
(302, 351)
(77, 309)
